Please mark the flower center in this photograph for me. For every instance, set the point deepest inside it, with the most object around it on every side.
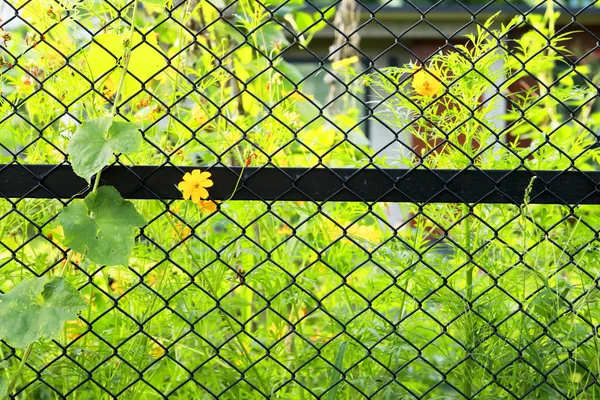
(196, 185)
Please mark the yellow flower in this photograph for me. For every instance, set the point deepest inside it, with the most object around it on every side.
(426, 83)
(156, 351)
(199, 115)
(208, 206)
(75, 329)
(152, 277)
(180, 231)
(285, 230)
(109, 88)
(194, 185)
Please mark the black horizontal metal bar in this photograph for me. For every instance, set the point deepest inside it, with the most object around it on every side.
(318, 184)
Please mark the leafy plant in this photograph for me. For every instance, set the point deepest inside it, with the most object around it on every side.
(35, 309)
(512, 270)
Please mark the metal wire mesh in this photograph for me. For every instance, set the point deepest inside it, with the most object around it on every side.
(400, 210)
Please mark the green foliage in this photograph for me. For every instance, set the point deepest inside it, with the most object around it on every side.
(102, 227)
(93, 144)
(105, 58)
(304, 22)
(542, 113)
(341, 294)
(334, 382)
(38, 308)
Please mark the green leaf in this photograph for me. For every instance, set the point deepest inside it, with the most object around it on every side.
(304, 21)
(335, 372)
(102, 226)
(37, 308)
(93, 144)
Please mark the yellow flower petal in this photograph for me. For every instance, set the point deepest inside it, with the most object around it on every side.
(204, 175)
(183, 185)
(196, 196)
(208, 206)
(203, 192)
(344, 63)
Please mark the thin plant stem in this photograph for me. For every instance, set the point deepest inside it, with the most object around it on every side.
(118, 93)
(17, 374)
(186, 14)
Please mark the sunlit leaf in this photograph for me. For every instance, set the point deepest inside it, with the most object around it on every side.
(106, 53)
(95, 141)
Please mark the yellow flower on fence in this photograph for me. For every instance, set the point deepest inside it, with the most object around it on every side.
(194, 185)
(426, 83)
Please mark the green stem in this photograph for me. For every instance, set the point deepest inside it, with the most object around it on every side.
(17, 374)
(469, 272)
(237, 184)
(126, 58)
(186, 14)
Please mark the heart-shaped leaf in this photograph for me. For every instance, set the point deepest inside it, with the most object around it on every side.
(102, 226)
(95, 141)
(37, 308)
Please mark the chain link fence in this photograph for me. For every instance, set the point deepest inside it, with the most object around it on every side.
(404, 203)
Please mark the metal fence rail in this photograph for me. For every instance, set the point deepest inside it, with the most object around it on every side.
(303, 184)
(404, 199)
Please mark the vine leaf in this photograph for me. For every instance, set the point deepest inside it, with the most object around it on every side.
(102, 226)
(95, 141)
(37, 308)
